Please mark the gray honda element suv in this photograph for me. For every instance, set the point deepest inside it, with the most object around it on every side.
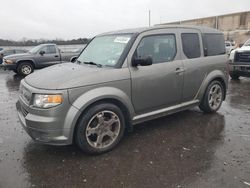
(121, 79)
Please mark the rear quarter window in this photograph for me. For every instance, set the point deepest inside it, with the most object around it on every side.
(191, 45)
(214, 44)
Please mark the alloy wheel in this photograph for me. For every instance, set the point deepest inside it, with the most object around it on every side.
(215, 96)
(103, 129)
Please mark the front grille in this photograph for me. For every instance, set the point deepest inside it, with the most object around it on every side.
(24, 112)
(242, 57)
(25, 94)
(245, 68)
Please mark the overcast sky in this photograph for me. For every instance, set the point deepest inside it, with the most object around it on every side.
(68, 19)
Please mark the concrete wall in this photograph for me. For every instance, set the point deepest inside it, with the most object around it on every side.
(236, 27)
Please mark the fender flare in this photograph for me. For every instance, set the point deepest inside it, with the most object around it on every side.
(93, 96)
(73, 58)
(22, 60)
(214, 75)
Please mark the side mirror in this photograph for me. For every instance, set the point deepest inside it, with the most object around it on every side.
(42, 52)
(240, 45)
(142, 61)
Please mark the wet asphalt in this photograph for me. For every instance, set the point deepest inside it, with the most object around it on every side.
(187, 149)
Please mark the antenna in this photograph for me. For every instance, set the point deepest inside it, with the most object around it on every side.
(149, 18)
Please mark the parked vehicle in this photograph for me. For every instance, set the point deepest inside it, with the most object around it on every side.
(229, 46)
(239, 64)
(41, 56)
(10, 52)
(121, 79)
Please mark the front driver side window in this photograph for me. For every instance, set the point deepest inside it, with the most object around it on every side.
(162, 48)
(49, 49)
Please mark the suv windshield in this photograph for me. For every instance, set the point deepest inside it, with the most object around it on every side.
(105, 50)
(247, 43)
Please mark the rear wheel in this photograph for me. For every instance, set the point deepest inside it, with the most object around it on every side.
(100, 129)
(73, 60)
(213, 97)
(25, 68)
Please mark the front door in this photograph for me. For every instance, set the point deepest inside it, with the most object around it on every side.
(50, 57)
(160, 84)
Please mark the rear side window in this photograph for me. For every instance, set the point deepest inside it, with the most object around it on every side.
(162, 48)
(214, 44)
(191, 45)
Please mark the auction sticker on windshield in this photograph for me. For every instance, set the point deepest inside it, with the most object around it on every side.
(122, 39)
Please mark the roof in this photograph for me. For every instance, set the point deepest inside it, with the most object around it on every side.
(203, 29)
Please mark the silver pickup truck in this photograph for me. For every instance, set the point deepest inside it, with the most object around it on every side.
(41, 56)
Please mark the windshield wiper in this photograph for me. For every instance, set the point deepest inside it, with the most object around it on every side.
(92, 63)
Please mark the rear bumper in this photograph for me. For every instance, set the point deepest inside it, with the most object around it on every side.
(43, 135)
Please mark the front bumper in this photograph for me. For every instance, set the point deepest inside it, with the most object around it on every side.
(9, 66)
(44, 135)
(240, 69)
(53, 126)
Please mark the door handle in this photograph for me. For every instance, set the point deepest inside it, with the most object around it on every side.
(179, 70)
(56, 55)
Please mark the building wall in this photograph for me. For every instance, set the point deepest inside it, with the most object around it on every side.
(236, 27)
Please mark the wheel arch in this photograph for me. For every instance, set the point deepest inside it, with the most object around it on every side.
(73, 58)
(215, 75)
(106, 95)
(116, 102)
(26, 61)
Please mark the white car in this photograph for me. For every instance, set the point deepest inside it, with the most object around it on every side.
(239, 61)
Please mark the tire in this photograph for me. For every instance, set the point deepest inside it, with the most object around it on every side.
(100, 128)
(213, 97)
(234, 76)
(25, 69)
(73, 60)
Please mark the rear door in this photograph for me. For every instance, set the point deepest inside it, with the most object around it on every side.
(193, 61)
(50, 57)
(159, 85)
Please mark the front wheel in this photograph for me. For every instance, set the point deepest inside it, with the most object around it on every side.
(25, 69)
(100, 129)
(213, 97)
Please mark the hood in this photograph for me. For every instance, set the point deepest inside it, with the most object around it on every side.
(243, 48)
(71, 75)
(18, 56)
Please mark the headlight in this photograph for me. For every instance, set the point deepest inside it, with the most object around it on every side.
(47, 101)
(8, 61)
